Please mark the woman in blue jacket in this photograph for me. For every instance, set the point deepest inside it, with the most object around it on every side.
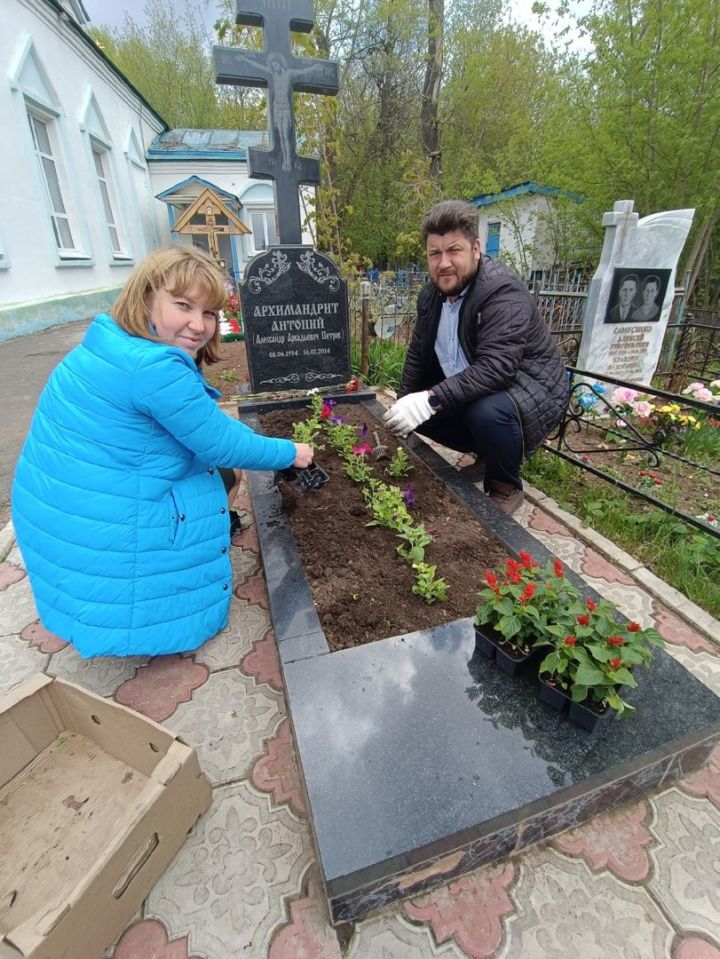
(120, 494)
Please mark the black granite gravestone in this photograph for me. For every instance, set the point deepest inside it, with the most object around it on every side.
(296, 321)
(282, 73)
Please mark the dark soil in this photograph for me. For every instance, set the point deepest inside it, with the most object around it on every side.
(231, 373)
(672, 481)
(360, 586)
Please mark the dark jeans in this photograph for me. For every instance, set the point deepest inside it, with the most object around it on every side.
(488, 427)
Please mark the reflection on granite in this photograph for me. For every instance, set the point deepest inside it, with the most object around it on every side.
(412, 748)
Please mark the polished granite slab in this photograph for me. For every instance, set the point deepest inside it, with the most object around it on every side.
(413, 748)
(422, 761)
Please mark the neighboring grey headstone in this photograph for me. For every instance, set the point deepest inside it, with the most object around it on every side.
(631, 293)
(296, 321)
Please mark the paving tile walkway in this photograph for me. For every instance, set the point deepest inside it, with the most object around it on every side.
(640, 882)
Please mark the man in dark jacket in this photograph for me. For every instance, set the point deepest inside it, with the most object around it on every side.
(482, 374)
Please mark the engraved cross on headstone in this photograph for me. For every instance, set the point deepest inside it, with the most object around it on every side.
(282, 73)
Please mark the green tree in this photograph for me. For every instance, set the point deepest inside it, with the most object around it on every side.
(641, 119)
(168, 58)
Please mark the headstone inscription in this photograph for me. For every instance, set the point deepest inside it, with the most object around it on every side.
(282, 73)
(296, 321)
(631, 293)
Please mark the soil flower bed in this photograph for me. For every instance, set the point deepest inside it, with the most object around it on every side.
(361, 587)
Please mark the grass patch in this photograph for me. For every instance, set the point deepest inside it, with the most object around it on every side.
(683, 556)
(385, 362)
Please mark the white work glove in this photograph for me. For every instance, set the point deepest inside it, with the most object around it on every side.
(407, 413)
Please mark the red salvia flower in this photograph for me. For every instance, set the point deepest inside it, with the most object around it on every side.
(526, 560)
(570, 641)
(633, 627)
(591, 604)
(616, 641)
(558, 567)
(492, 580)
(583, 620)
(528, 592)
(616, 663)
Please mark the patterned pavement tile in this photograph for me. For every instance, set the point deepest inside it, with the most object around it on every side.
(253, 590)
(101, 675)
(15, 557)
(615, 841)
(227, 721)
(277, 771)
(542, 522)
(247, 540)
(308, 933)
(686, 879)
(598, 567)
(148, 940)
(246, 627)
(245, 563)
(9, 574)
(703, 666)
(469, 911)
(17, 608)
(566, 911)
(36, 635)
(695, 948)
(630, 600)
(679, 633)
(156, 689)
(7, 540)
(391, 936)
(18, 661)
(570, 551)
(263, 662)
(706, 781)
(228, 885)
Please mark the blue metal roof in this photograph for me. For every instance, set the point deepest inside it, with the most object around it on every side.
(185, 144)
(485, 199)
(203, 184)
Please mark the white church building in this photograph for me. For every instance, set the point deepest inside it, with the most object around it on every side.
(92, 178)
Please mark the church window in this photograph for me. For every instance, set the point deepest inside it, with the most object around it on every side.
(102, 170)
(42, 144)
(264, 234)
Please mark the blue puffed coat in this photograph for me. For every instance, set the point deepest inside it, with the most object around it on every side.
(120, 513)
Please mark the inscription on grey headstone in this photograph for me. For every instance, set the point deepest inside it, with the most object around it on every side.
(282, 73)
(296, 321)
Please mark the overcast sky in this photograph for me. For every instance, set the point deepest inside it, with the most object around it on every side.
(111, 13)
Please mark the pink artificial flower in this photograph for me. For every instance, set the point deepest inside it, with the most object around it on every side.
(623, 395)
(643, 409)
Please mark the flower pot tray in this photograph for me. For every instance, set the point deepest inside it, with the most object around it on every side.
(423, 761)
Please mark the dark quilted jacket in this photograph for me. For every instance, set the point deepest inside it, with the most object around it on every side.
(509, 348)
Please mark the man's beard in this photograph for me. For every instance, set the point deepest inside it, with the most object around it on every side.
(459, 286)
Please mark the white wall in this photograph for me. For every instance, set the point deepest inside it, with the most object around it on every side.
(45, 63)
(523, 232)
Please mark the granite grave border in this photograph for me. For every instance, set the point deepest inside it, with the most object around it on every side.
(422, 761)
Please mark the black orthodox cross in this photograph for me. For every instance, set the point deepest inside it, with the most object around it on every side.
(282, 73)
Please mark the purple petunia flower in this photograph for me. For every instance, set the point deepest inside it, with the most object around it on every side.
(408, 495)
(363, 431)
(337, 420)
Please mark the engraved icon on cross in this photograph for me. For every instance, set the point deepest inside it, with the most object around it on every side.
(282, 73)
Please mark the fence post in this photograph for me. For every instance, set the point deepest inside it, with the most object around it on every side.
(365, 288)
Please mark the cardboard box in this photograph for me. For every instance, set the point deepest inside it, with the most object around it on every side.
(95, 801)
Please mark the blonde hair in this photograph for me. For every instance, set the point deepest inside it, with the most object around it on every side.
(179, 270)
